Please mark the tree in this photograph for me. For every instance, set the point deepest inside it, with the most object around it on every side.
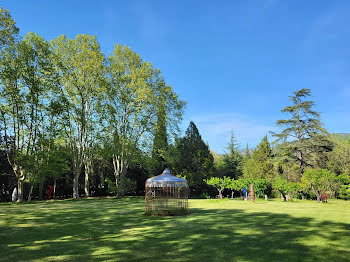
(79, 63)
(219, 183)
(135, 92)
(319, 180)
(339, 157)
(160, 141)
(236, 185)
(261, 187)
(26, 80)
(10, 98)
(299, 131)
(247, 152)
(259, 165)
(285, 187)
(8, 31)
(232, 161)
(195, 161)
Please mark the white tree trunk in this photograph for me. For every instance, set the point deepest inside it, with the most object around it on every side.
(87, 176)
(120, 166)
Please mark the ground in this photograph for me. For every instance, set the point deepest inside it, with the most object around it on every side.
(215, 230)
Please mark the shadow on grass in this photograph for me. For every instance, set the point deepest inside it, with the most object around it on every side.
(117, 230)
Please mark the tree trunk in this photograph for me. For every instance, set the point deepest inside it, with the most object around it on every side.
(30, 194)
(317, 193)
(232, 194)
(220, 193)
(77, 164)
(87, 182)
(289, 196)
(20, 189)
(302, 197)
(41, 185)
(120, 167)
(76, 186)
(266, 197)
(284, 197)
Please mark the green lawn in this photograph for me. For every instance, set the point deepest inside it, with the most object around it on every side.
(215, 230)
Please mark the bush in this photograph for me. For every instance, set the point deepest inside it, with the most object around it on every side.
(344, 192)
(125, 186)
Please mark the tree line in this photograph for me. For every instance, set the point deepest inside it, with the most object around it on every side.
(304, 160)
(69, 112)
(92, 124)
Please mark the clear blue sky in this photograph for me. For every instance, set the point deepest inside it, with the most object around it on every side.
(234, 62)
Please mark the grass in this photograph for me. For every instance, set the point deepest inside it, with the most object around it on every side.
(215, 230)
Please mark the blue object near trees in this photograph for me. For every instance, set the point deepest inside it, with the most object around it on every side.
(245, 192)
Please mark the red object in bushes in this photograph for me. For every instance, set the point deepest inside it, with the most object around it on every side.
(49, 192)
(324, 197)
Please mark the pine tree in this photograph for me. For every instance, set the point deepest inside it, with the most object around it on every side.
(195, 160)
(247, 152)
(300, 131)
(233, 160)
(259, 165)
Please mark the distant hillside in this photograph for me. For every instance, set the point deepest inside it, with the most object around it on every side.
(345, 135)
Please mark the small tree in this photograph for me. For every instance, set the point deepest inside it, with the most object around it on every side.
(344, 186)
(319, 180)
(285, 187)
(219, 183)
(235, 185)
(261, 186)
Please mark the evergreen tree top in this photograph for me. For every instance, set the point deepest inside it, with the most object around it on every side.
(192, 131)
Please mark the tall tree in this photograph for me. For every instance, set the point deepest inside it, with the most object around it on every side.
(131, 105)
(259, 165)
(232, 161)
(300, 130)
(79, 62)
(11, 100)
(8, 31)
(160, 142)
(195, 160)
(26, 79)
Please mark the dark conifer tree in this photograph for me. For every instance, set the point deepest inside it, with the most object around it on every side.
(195, 160)
(160, 142)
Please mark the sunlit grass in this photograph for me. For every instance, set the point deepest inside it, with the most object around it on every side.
(215, 230)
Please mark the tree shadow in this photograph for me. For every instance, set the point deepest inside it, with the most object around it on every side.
(118, 230)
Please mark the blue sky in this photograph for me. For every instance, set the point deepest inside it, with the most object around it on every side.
(234, 62)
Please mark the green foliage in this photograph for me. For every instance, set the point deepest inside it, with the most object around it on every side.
(8, 29)
(112, 189)
(285, 187)
(160, 142)
(339, 158)
(344, 192)
(260, 187)
(320, 181)
(302, 132)
(219, 183)
(232, 161)
(125, 185)
(194, 158)
(259, 165)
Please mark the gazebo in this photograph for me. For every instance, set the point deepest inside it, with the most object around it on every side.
(166, 195)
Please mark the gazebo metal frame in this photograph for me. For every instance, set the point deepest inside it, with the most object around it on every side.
(166, 195)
